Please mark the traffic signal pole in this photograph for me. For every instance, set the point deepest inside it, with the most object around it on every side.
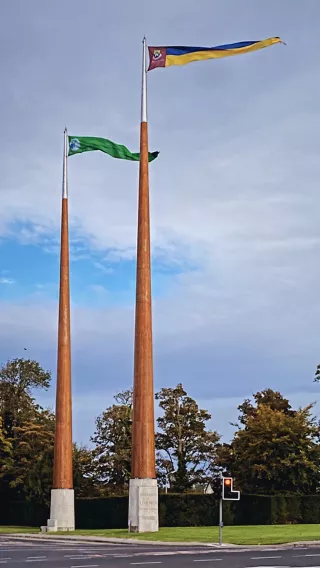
(220, 521)
(227, 494)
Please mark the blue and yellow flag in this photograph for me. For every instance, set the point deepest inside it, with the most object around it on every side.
(175, 55)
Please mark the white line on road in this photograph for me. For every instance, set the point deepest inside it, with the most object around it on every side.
(209, 560)
(86, 566)
(263, 557)
(36, 557)
(303, 555)
(139, 563)
(77, 556)
(268, 549)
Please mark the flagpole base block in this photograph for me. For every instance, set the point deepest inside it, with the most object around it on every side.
(143, 506)
(61, 511)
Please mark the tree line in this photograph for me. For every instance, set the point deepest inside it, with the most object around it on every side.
(274, 448)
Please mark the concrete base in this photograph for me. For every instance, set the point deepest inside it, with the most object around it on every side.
(61, 511)
(143, 506)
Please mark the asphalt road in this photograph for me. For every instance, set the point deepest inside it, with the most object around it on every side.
(18, 553)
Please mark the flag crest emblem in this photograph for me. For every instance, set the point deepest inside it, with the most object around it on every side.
(74, 144)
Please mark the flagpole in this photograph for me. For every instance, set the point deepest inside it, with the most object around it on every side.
(62, 494)
(143, 490)
(144, 113)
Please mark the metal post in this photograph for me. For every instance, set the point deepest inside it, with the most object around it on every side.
(220, 521)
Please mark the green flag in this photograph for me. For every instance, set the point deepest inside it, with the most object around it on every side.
(79, 144)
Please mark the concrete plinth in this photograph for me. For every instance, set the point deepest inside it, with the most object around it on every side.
(143, 506)
(61, 511)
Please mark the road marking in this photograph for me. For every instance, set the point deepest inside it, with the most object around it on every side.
(303, 555)
(139, 563)
(86, 566)
(77, 556)
(209, 560)
(263, 557)
(36, 557)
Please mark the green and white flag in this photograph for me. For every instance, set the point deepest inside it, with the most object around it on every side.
(79, 144)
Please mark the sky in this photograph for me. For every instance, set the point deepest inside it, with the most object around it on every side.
(234, 197)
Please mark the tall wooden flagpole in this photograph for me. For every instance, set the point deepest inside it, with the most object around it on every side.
(62, 494)
(143, 491)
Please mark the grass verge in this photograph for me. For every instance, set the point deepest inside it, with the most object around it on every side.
(245, 535)
(11, 530)
(262, 534)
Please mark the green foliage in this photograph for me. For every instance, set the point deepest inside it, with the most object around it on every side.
(108, 512)
(176, 510)
(186, 449)
(112, 439)
(18, 379)
(6, 457)
(27, 438)
(5, 444)
(276, 450)
(85, 483)
(268, 397)
(29, 471)
(26, 470)
(310, 509)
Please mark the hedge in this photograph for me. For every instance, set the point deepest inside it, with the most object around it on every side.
(176, 510)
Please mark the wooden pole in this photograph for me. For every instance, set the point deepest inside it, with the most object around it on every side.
(143, 432)
(62, 471)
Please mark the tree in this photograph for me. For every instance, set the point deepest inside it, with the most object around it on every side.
(276, 449)
(27, 428)
(28, 472)
(268, 397)
(85, 483)
(186, 449)
(5, 446)
(18, 379)
(27, 438)
(112, 439)
(5, 453)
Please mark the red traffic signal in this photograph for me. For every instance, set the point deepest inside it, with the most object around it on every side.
(228, 494)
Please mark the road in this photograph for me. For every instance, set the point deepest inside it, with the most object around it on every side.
(55, 554)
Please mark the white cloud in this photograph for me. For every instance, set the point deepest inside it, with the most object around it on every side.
(234, 193)
(99, 290)
(4, 280)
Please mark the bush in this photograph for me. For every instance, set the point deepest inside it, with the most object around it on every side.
(25, 513)
(107, 513)
(310, 509)
(176, 510)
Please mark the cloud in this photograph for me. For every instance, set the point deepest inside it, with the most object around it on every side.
(234, 193)
(4, 280)
(99, 290)
(104, 269)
